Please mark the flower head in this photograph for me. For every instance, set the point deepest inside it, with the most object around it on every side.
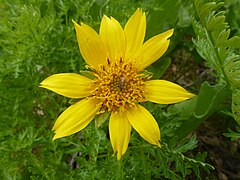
(117, 58)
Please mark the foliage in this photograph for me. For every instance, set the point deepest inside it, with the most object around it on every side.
(38, 39)
(215, 46)
(232, 134)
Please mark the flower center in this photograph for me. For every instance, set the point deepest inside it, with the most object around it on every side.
(118, 86)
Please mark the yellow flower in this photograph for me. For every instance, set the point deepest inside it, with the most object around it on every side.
(117, 58)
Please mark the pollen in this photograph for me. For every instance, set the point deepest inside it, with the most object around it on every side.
(118, 86)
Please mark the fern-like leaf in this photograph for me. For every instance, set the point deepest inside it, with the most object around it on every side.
(215, 46)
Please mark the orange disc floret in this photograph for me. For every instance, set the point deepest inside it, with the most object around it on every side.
(118, 86)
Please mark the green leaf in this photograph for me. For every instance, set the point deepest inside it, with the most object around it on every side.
(207, 52)
(88, 74)
(214, 46)
(205, 9)
(101, 118)
(236, 105)
(232, 134)
(217, 23)
(189, 144)
(199, 108)
(222, 37)
(146, 74)
(233, 42)
(160, 68)
(208, 99)
(208, 166)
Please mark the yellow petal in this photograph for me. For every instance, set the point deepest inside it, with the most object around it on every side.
(91, 45)
(165, 92)
(68, 84)
(113, 36)
(75, 118)
(153, 49)
(135, 30)
(144, 123)
(119, 130)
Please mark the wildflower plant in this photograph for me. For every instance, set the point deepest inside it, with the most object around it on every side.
(115, 90)
(117, 58)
